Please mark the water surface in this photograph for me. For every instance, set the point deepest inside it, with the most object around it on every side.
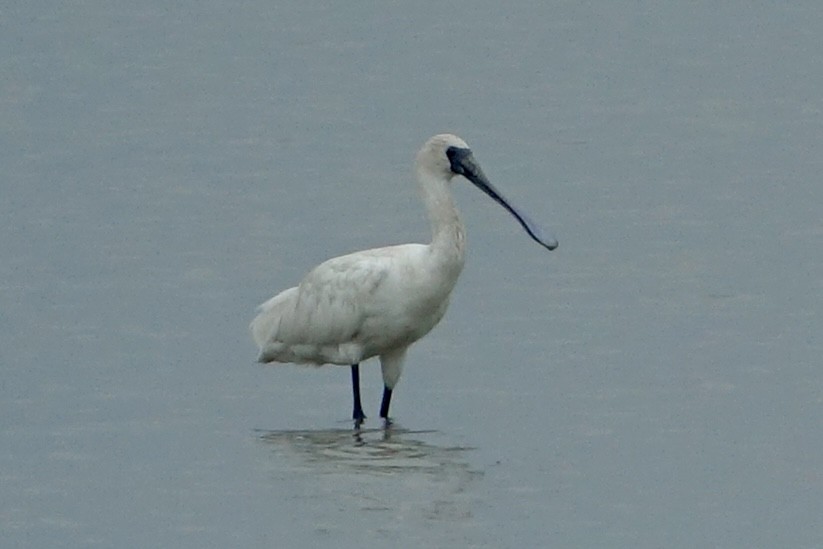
(654, 382)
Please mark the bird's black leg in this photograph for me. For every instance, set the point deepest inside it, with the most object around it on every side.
(384, 406)
(357, 415)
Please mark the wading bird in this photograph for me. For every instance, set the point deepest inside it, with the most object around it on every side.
(378, 302)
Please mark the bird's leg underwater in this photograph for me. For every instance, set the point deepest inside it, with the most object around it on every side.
(357, 415)
(384, 405)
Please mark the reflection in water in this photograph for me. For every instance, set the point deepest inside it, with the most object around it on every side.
(410, 477)
(368, 450)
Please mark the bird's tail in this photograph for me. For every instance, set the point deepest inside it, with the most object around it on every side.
(264, 326)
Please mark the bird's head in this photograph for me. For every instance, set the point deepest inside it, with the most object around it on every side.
(437, 154)
(445, 156)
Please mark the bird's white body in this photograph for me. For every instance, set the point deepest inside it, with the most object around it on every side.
(378, 302)
(375, 302)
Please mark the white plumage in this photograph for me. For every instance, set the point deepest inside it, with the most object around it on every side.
(378, 302)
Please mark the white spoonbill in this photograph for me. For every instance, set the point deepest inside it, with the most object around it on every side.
(378, 302)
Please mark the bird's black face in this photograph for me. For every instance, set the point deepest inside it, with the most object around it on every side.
(462, 162)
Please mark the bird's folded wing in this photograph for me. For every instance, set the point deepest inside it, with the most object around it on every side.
(330, 304)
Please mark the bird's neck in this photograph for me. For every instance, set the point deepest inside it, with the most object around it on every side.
(448, 233)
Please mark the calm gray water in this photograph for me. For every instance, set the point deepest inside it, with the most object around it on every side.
(655, 382)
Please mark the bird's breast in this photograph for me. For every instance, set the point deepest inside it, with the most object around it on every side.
(406, 307)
